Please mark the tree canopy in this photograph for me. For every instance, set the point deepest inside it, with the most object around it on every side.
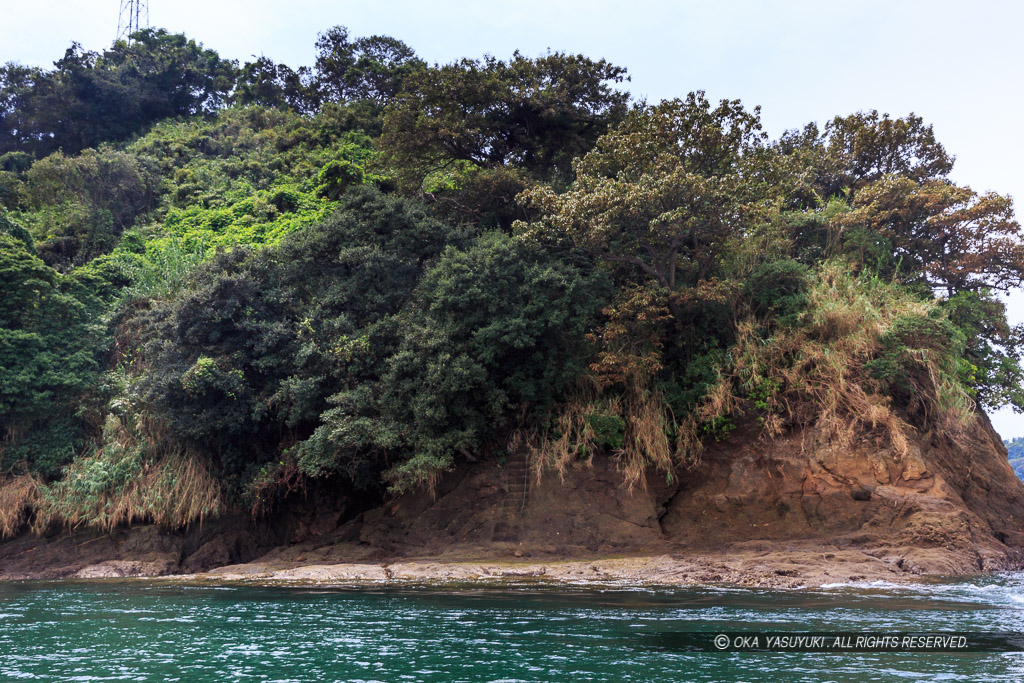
(666, 192)
(91, 97)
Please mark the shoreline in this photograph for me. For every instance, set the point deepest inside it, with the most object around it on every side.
(765, 569)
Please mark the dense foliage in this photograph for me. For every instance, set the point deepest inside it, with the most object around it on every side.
(220, 281)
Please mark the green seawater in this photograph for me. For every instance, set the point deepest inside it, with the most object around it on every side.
(160, 631)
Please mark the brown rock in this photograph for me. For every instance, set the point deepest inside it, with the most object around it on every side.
(796, 511)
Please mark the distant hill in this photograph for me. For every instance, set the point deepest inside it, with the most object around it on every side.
(1016, 450)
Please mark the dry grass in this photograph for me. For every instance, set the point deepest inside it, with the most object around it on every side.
(810, 374)
(175, 492)
(19, 496)
(648, 424)
(134, 477)
(814, 373)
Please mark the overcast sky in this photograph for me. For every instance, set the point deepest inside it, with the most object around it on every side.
(957, 64)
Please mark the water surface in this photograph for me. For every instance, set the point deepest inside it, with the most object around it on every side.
(159, 631)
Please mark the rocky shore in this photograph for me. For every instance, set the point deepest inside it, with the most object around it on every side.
(739, 567)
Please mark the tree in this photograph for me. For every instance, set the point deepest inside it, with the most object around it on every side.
(89, 98)
(49, 350)
(263, 83)
(951, 237)
(17, 84)
(536, 114)
(242, 362)
(666, 192)
(490, 337)
(856, 150)
(867, 146)
(86, 202)
(991, 363)
(371, 68)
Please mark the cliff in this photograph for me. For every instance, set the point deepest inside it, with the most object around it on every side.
(791, 511)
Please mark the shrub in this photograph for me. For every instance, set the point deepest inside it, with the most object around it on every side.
(336, 177)
(778, 289)
(487, 341)
(841, 367)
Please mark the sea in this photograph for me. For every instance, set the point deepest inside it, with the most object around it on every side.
(165, 630)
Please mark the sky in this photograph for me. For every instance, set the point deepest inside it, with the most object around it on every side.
(956, 64)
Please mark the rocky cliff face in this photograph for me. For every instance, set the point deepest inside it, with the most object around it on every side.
(798, 500)
(938, 509)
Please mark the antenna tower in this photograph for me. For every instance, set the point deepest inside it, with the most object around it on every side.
(134, 17)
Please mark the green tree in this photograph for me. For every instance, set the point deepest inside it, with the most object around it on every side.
(17, 84)
(82, 204)
(370, 68)
(266, 84)
(853, 151)
(991, 363)
(537, 114)
(90, 98)
(666, 193)
(490, 338)
(241, 363)
(49, 351)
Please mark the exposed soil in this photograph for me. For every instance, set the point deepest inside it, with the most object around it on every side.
(795, 511)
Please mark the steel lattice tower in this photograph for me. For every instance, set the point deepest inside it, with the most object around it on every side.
(134, 17)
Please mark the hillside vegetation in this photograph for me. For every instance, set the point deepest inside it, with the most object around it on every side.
(219, 282)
